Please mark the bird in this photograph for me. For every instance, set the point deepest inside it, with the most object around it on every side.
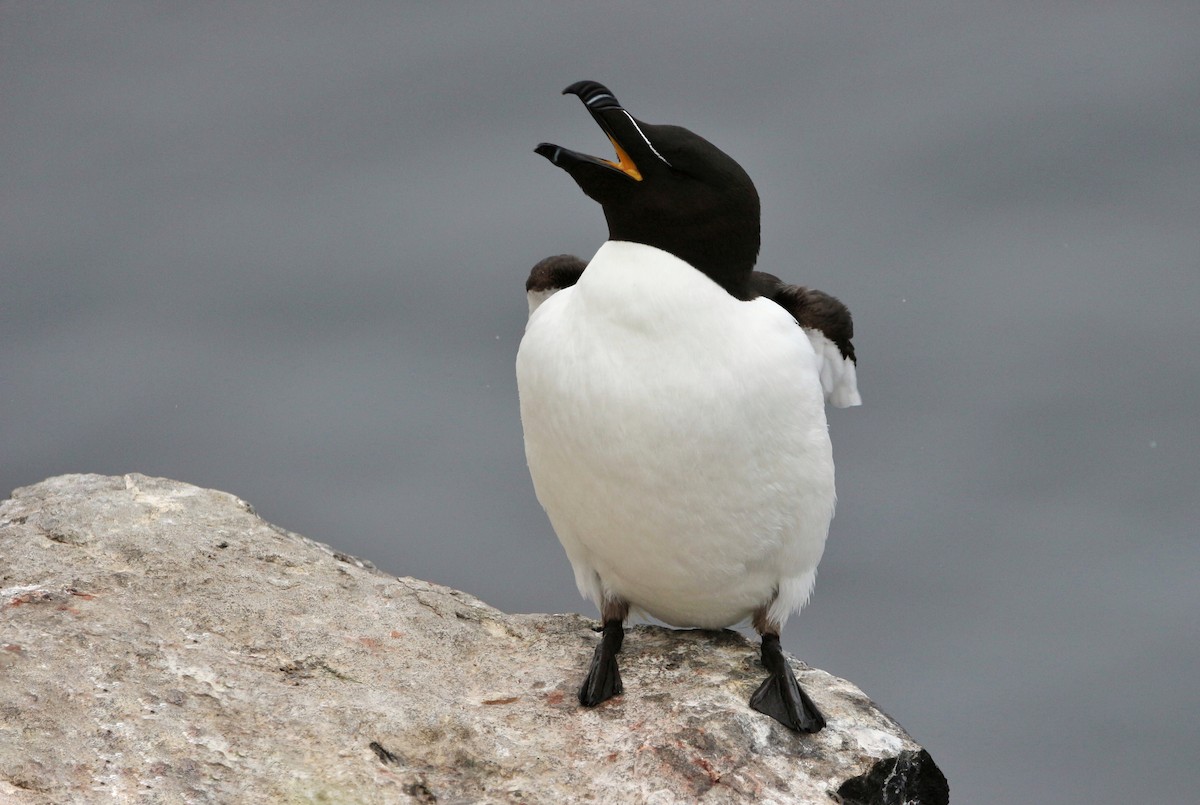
(672, 399)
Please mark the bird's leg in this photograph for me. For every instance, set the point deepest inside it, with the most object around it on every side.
(603, 680)
(781, 696)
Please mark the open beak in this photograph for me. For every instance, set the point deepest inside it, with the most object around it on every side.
(616, 123)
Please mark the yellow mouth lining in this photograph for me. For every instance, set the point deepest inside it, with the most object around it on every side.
(624, 162)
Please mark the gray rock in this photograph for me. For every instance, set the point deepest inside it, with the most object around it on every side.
(161, 643)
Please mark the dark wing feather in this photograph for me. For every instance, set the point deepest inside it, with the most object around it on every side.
(555, 273)
(812, 309)
(829, 328)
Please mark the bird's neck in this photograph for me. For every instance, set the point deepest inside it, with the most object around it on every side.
(727, 258)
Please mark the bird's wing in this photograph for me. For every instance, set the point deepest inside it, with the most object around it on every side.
(550, 276)
(828, 325)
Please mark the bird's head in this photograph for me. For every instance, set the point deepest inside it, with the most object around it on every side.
(668, 188)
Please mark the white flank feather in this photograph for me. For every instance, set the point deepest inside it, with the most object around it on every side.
(839, 376)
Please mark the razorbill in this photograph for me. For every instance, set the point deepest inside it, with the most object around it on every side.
(672, 400)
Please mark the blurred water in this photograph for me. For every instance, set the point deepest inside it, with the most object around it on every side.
(281, 253)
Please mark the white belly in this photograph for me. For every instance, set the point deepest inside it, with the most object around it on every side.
(677, 439)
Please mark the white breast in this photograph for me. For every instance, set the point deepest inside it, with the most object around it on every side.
(677, 439)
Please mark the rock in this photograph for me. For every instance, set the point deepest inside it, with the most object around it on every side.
(161, 643)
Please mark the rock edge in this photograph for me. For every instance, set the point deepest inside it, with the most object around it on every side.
(160, 642)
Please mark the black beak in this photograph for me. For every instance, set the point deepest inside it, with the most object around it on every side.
(619, 126)
(594, 95)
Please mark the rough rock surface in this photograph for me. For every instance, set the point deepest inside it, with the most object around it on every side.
(161, 643)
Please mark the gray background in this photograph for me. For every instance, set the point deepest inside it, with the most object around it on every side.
(279, 250)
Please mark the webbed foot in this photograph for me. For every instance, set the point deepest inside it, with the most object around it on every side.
(781, 696)
(603, 679)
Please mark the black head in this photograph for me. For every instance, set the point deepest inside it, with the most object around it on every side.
(668, 188)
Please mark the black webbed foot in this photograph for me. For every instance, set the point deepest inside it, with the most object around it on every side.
(603, 679)
(781, 696)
